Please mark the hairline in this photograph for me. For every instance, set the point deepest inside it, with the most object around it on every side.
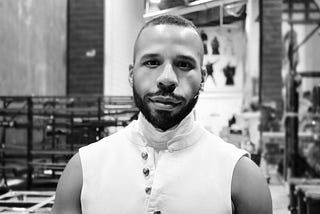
(157, 21)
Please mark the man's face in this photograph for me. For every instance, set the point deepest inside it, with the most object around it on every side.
(166, 75)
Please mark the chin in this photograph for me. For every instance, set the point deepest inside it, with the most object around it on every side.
(163, 119)
(165, 116)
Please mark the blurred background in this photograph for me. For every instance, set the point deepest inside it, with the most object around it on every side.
(64, 84)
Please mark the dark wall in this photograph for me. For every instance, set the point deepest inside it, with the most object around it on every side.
(271, 61)
(33, 47)
(85, 47)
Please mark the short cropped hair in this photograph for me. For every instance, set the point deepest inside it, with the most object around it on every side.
(167, 20)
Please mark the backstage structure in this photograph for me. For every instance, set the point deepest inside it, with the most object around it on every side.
(64, 71)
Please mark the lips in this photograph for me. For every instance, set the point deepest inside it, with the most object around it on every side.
(167, 100)
(165, 103)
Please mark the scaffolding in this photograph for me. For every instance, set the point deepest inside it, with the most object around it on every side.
(41, 133)
(297, 12)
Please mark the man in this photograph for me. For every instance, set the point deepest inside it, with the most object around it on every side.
(165, 162)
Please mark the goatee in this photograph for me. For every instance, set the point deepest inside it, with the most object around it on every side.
(163, 120)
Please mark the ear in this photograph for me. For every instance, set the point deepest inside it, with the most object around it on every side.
(130, 78)
(203, 74)
(203, 78)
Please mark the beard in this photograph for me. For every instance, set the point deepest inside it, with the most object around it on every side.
(161, 119)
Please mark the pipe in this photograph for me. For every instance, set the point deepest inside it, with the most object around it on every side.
(192, 7)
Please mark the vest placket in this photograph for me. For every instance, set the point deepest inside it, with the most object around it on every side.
(149, 172)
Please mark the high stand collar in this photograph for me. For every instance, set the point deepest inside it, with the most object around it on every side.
(185, 134)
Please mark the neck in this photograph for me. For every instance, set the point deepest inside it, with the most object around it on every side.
(160, 139)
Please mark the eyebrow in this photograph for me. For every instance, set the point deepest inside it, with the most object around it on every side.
(150, 55)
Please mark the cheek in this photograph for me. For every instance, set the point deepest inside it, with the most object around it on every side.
(143, 82)
(190, 85)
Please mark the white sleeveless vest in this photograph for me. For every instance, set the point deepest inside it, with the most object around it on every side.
(193, 175)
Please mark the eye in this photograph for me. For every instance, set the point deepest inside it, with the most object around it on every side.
(153, 63)
(185, 65)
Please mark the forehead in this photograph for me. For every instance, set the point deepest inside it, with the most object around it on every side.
(170, 38)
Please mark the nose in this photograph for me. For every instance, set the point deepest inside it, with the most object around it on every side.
(168, 80)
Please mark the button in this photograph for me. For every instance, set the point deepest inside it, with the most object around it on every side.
(146, 171)
(157, 212)
(148, 190)
(144, 155)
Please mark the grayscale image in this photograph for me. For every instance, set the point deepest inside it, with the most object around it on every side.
(159, 106)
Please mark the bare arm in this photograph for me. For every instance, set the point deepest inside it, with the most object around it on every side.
(250, 192)
(69, 188)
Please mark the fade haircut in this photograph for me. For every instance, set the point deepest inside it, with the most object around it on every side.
(166, 20)
(169, 20)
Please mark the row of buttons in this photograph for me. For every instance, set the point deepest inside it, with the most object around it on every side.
(146, 172)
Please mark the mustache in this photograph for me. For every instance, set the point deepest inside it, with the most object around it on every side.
(165, 94)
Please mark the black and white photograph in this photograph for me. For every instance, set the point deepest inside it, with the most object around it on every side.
(160, 106)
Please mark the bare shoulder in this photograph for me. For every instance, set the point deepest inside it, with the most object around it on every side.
(249, 189)
(68, 191)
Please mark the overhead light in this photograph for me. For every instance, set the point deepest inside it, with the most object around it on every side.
(235, 9)
(155, 1)
(192, 6)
